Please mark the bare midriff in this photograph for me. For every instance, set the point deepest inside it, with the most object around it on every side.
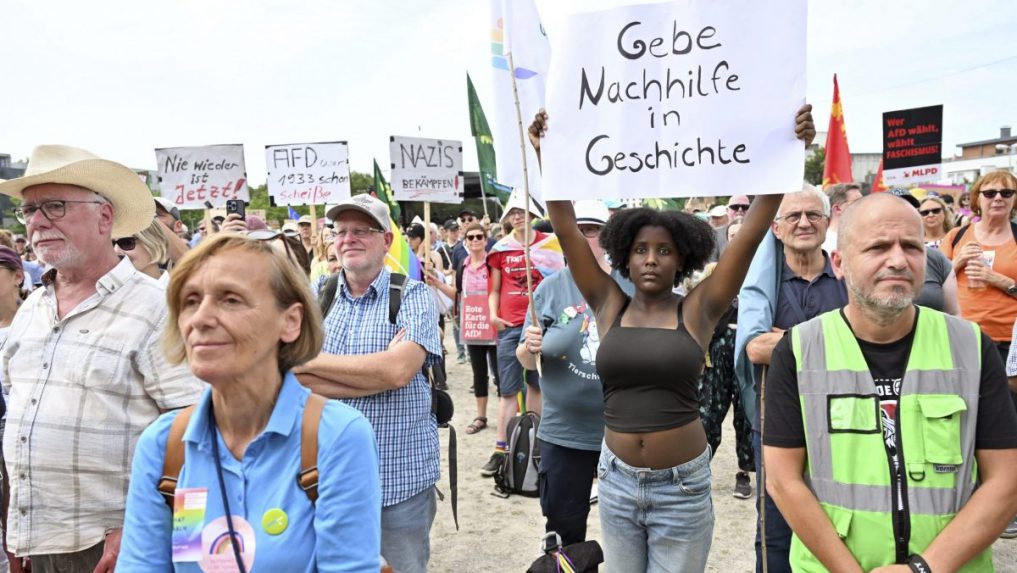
(661, 449)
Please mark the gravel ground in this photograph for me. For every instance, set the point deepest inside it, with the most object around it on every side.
(503, 535)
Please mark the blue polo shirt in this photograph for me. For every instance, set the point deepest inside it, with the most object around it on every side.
(342, 532)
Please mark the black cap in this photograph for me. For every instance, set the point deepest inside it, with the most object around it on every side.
(451, 224)
(905, 195)
(415, 232)
(467, 212)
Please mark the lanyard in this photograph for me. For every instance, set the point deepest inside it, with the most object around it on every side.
(222, 491)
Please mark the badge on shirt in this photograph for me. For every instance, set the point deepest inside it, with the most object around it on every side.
(188, 520)
(218, 547)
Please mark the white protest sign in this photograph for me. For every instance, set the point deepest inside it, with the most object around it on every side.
(190, 176)
(427, 169)
(308, 173)
(687, 98)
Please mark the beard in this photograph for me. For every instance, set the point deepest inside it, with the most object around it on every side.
(889, 305)
(66, 255)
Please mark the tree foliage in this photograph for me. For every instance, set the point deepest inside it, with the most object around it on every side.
(814, 166)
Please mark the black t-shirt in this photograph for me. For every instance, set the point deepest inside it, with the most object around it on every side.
(997, 422)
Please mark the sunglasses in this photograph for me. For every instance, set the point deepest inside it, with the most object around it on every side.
(126, 243)
(738, 207)
(933, 211)
(474, 237)
(1004, 193)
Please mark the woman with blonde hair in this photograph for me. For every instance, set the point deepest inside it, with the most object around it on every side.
(148, 251)
(242, 315)
(937, 218)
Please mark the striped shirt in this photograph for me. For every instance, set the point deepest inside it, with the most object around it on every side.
(82, 389)
(406, 430)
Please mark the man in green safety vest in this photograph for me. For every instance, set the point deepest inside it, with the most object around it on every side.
(891, 438)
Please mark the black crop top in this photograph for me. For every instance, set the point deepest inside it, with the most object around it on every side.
(649, 376)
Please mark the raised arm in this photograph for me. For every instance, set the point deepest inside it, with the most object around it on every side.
(712, 297)
(596, 285)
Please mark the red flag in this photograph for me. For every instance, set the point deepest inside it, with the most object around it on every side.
(838, 157)
(878, 186)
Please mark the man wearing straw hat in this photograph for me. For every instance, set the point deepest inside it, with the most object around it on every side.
(82, 363)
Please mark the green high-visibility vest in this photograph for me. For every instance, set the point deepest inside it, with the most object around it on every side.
(847, 466)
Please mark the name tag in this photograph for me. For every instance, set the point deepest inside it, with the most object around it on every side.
(944, 469)
(188, 521)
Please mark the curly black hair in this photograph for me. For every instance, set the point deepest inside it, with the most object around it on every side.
(692, 236)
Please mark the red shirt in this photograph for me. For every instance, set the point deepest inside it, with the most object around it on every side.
(513, 300)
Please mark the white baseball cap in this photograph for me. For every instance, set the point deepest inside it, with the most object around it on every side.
(366, 204)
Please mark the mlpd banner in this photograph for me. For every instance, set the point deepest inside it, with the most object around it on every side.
(308, 173)
(192, 176)
(913, 145)
(685, 98)
(426, 169)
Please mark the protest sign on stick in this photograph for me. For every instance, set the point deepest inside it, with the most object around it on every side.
(673, 99)
(308, 173)
(913, 145)
(427, 169)
(192, 176)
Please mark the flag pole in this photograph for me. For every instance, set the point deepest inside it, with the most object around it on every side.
(526, 194)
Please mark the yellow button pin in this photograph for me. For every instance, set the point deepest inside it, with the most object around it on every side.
(274, 521)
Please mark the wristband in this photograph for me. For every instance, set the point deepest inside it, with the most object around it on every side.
(918, 565)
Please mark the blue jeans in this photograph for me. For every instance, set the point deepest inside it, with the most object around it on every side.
(778, 532)
(510, 371)
(655, 520)
(406, 532)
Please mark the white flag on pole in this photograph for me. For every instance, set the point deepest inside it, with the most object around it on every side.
(516, 28)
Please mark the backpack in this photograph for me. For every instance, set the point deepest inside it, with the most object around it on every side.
(519, 470)
(307, 477)
(441, 401)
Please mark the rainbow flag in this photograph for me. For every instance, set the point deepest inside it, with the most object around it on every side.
(400, 258)
(545, 254)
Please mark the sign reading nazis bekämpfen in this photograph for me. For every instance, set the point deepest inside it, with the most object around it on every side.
(426, 169)
(913, 145)
(680, 98)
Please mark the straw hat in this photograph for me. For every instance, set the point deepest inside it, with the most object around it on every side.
(133, 208)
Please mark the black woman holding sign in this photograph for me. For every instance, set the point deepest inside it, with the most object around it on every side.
(654, 472)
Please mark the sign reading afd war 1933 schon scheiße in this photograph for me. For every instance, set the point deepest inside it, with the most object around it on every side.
(192, 176)
(308, 173)
(683, 98)
(913, 145)
(426, 169)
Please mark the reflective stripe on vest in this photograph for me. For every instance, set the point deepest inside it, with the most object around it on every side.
(847, 466)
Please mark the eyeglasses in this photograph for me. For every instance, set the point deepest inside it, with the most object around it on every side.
(933, 211)
(126, 243)
(589, 231)
(987, 193)
(738, 207)
(474, 237)
(52, 210)
(792, 218)
(357, 232)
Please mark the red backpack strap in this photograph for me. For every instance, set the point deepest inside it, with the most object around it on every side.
(308, 476)
(174, 458)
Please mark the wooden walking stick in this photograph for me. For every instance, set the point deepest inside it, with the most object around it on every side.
(526, 197)
(761, 478)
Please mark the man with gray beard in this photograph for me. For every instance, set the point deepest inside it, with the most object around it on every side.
(907, 411)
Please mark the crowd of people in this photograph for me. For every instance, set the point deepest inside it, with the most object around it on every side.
(259, 398)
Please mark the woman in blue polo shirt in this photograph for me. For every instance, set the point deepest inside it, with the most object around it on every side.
(242, 316)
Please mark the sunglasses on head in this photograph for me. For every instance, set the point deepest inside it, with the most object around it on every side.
(1004, 193)
(126, 243)
(932, 211)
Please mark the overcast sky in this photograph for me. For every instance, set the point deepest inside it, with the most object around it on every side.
(121, 78)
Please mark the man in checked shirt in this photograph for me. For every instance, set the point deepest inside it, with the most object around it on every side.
(82, 362)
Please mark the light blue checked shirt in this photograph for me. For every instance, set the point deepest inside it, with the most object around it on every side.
(406, 430)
